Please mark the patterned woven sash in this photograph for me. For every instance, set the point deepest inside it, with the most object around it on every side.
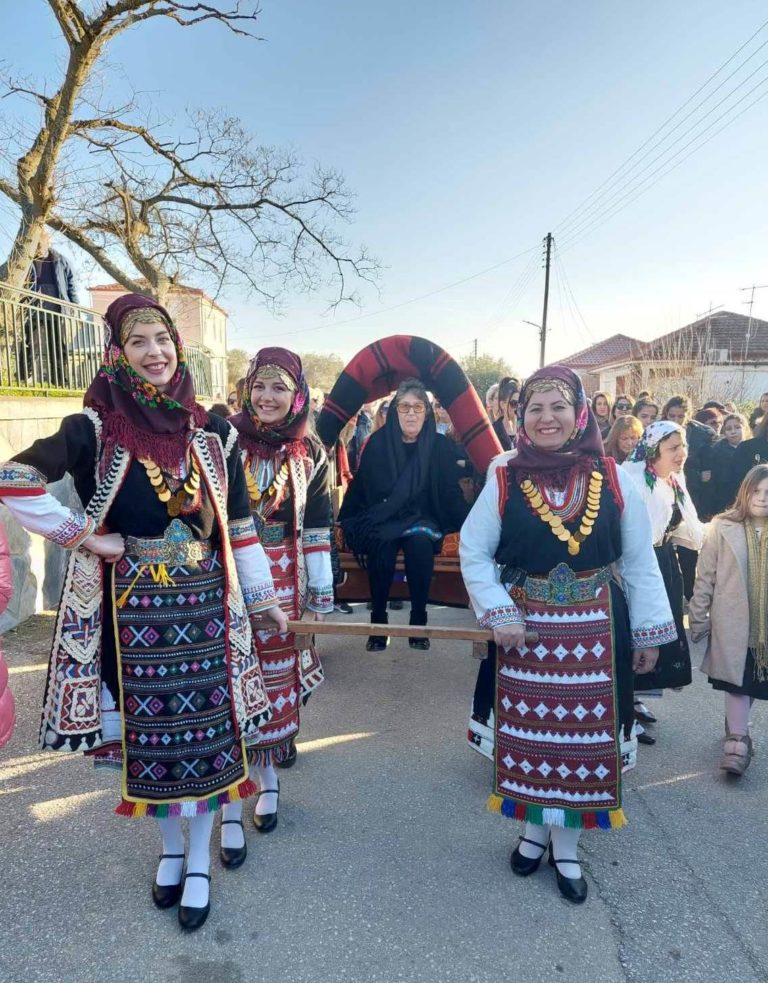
(557, 757)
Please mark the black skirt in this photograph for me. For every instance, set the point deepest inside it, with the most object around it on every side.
(756, 689)
(673, 668)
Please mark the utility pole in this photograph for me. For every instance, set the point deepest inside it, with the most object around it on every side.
(474, 349)
(547, 261)
(748, 336)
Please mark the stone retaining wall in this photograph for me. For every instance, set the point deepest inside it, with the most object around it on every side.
(38, 566)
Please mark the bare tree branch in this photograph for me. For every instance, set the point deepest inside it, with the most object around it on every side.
(87, 36)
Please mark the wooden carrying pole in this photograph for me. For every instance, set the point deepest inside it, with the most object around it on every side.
(305, 629)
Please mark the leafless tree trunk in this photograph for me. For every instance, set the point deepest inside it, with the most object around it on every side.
(32, 185)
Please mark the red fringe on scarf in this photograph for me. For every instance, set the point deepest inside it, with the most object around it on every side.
(165, 449)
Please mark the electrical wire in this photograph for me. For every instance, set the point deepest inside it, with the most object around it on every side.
(569, 291)
(514, 307)
(512, 296)
(412, 300)
(600, 220)
(628, 188)
(609, 181)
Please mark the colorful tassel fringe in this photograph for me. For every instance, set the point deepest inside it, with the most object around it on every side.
(264, 757)
(164, 810)
(544, 816)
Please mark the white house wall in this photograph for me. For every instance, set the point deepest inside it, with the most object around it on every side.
(736, 382)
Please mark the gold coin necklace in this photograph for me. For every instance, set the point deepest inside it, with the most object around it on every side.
(174, 502)
(555, 523)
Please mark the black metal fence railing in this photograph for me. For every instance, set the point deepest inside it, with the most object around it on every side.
(48, 347)
(200, 367)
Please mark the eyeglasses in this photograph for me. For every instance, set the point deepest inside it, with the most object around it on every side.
(623, 406)
(405, 408)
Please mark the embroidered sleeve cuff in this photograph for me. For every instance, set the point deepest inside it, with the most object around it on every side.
(320, 599)
(20, 480)
(259, 597)
(73, 531)
(507, 615)
(316, 540)
(242, 532)
(650, 636)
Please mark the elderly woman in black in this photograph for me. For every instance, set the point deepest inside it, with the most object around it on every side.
(405, 496)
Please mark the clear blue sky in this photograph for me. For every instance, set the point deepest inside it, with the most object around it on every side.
(468, 130)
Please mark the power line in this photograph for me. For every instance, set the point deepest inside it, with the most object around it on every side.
(585, 339)
(627, 188)
(515, 291)
(579, 320)
(519, 298)
(600, 220)
(413, 300)
(608, 181)
(570, 292)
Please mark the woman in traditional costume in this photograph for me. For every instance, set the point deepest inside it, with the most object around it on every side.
(286, 471)
(405, 496)
(656, 470)
(153, 668)
(538, 551)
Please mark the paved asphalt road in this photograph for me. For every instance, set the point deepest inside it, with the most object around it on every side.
(385, 866)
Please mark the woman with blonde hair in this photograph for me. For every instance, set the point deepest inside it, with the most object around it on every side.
(623, 437)
(730, 606)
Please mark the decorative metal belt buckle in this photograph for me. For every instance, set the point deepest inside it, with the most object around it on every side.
(180, 544)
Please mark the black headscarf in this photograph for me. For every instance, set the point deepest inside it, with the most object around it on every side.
(400, 475)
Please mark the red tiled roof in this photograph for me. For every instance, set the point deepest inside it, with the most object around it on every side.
(721, 331)
(614, 349)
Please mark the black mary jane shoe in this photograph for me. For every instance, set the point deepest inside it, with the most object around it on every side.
(643, 714)
(419, 643)
(377, 643)
(168, 895)
(233, 856)
(267, 822)
(191, 918)
(525, 866)
(290, 759)
(573, 889)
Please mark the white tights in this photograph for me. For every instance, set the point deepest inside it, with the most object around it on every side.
(198, 857)
(565, 842)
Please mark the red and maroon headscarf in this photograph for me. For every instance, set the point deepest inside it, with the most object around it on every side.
(263, 439)
(585, 442)
(135, 414)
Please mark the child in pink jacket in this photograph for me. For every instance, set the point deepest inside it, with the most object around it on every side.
(7, 708)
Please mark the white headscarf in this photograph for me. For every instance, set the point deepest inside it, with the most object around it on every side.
(660, 496)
